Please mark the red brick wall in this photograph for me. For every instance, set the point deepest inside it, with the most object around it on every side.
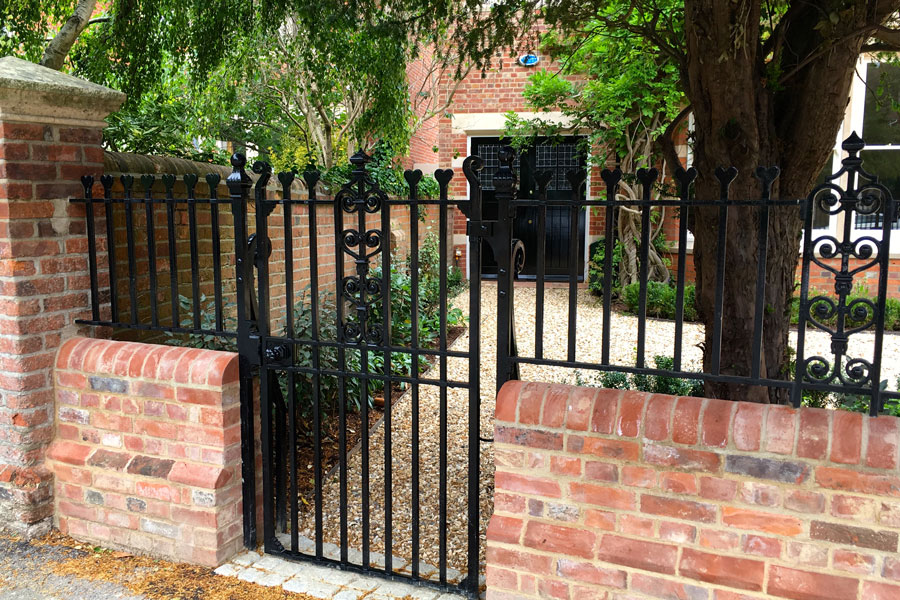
(611, 494)
(44, 279)
(147, 449)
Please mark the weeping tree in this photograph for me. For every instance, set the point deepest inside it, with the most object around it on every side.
(624, 99)
(309, 81)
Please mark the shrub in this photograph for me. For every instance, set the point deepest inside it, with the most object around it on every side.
(660, 300)
(657, 384)
(596, 264)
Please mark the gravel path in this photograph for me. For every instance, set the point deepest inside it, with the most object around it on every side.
(660, 335)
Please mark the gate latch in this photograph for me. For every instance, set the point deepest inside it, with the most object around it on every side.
(279, 354)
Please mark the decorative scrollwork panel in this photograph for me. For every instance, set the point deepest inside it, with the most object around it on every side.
(846, 257)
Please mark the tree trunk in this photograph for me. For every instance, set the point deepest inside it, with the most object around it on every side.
(55, 54)
(745, 121)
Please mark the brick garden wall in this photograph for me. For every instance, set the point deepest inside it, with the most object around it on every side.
(147, 452)
(610, 494)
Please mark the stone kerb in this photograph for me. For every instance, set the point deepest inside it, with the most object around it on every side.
(611, 494)
(147, 449)
(50, 134)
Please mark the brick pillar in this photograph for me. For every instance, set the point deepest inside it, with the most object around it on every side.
(50, 132)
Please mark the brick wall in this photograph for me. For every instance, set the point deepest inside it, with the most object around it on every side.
(610, 494)
(147, 450)
(50, 130)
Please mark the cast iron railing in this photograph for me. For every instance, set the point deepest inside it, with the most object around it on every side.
(839, 318)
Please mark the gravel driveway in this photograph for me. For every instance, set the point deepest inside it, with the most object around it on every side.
(660, 335)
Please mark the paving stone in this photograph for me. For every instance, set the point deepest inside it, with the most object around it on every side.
(250, 575)
(366, 583)
(395, 589)
(349, 595)
(317, 589)
(269, 562)
(354, 556)
(272, 579)
(425, 570)
(332, 551)
(326, 574)
(453, 576)
(247, 558)
(228, 569)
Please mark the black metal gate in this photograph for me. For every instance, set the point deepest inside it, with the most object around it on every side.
(325, 354)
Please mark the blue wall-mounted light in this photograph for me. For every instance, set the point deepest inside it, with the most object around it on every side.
(528, 60)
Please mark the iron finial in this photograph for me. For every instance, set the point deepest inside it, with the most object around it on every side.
(853, 144)
(360, 158)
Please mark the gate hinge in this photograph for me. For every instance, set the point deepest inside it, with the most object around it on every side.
(480, 228)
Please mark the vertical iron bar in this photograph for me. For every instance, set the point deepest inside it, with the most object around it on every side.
(542, 178)
(576, 180)
(267, 392)
(386, 293)
(169, 181)
(292, 436)
(505, 184)
(127, 182)
(647, 177)
(287, 179)
(312, 178)
(362, 313)
(248, 352)
(107, 182)
(287, 214)
(611, 178)
(342, 367)
(443, 177)
(725, 177)
(212, 180)
(275, 399)
(685, 179)
(799, 360)
(890, 214)
(147, 181)
(764, 175)
(191, 181)
(87, 182)
(471, 166)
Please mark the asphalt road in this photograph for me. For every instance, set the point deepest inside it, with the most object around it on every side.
(24, 576)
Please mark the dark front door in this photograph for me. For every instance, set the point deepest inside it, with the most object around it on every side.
(559, 157)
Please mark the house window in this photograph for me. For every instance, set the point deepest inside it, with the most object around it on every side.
(873, 114)
(877, 119)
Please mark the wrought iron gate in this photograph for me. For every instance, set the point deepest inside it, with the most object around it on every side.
(323, 356)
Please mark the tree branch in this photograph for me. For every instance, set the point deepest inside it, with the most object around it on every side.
(56, 51)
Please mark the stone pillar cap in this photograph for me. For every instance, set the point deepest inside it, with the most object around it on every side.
(36, 94)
